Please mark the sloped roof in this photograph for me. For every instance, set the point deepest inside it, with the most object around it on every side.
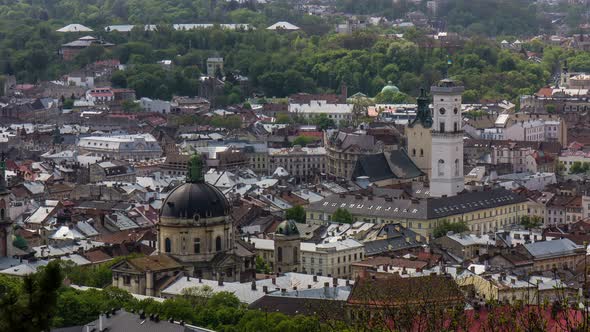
(74, 28)
(389, 165)
(545, 249)
(374, 166)
(282, 25)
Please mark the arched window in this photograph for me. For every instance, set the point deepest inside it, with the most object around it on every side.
(2, 214)
(167, 245)
(455, 127)
(280, 254)
(421, 152)
(295, 254)
(441, 167)
(197, 245)
(413, 152)
(218, 243)
(457, 166)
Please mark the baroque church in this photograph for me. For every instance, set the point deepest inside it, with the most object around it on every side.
(196, 237)
(435, 138)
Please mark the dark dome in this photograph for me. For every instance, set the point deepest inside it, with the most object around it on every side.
(190, 200)
(287, 227)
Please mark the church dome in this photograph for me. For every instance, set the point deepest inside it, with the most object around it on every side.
(390, 88)
(194, 201)
(287, 228)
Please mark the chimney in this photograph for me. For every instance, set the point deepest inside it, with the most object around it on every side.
(283, 291)
(335, 282)
(265, 289)
(308, 286)
(274, 280)
(347, 283)
(100, 323)
(315, 278)
(472, 269)
(220, 281)
(253, 286)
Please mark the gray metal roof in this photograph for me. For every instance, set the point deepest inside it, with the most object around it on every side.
(422, 209)
(547, 249)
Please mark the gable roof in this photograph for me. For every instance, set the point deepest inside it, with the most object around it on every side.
(74, 28)
(389, 165)
(154, 263)
(282, 25)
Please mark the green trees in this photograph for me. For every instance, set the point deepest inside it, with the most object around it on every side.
(262, 266)
(229, 122)
(30, 305)
(296, 213)
(343, 216)
(529, 222)
(486, 17)
(445, 226)
(304, 140)
(323, 122)
(389, 97)
(278, 64)
(579, 167)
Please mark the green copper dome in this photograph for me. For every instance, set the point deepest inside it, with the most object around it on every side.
(390, 88)
(287, 228)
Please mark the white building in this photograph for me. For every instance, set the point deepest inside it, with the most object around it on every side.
(81, 80)
(336, 112)
(447, 140)
(333, 258)
(298, 161)
(154, 105)
(569, 158)
(328, 259)
(130, 147)
(100, 95)
(250, 292)
(536, 181)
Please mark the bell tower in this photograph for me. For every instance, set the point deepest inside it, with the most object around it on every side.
(447, 140)
(287, 247)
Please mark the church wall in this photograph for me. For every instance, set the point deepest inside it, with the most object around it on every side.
(419, 147)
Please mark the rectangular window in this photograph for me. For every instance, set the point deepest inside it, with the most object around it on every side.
(197, 246)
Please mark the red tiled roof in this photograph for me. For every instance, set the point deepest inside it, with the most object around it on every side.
(545, 92)
(97, 255)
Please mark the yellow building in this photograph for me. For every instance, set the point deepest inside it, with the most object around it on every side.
(502, 288)
(483, 211)
(418, 133)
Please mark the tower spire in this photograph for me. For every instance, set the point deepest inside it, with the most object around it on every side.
(423, 112)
